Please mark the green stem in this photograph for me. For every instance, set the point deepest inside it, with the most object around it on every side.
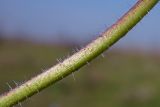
(71, 64)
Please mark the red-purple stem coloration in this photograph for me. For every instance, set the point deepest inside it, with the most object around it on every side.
(79, 59)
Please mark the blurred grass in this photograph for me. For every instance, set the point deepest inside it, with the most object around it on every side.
(120, 79)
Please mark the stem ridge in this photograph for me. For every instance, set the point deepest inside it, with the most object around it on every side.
(82, 57)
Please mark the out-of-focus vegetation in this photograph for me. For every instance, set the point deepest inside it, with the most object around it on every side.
(120, 79)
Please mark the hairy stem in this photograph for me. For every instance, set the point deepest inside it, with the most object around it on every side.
(79, 59)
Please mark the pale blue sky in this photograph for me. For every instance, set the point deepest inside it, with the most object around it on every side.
(80, 19)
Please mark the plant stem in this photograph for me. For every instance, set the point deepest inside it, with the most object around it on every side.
(79, 59)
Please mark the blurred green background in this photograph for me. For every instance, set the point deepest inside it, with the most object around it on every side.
(120, 79)
(35, 33)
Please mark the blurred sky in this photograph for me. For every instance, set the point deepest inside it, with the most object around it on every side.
(78, 20)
